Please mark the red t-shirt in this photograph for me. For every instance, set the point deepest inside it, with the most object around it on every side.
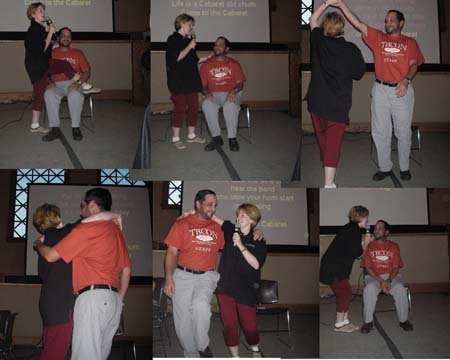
(392, 54)
(198, 242)
(221, 75)
(382, 257)
(75, 57)
(98, 252)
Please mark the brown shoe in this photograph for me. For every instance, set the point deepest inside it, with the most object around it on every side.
(54, 134)
(206, 353)
(366, 328)
(407, 326)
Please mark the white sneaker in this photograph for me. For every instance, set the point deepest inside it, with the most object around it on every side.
(332, 186)
(179, 145)
(87, 88)
(40, 129)
(196, 140)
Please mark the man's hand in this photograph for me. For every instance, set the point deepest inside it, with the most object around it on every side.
(73, 86)
(51, 85)
(169, 287)
(386, 286)
(335, 3)
(186, 214)
(118, 222)
(402, 88)
(39, 241)
(231, 96)
(258, 235)
(207, 94)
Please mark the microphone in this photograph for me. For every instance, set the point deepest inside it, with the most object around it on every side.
(237, 230)
(367, 228)
(193, 35)
(48, 21)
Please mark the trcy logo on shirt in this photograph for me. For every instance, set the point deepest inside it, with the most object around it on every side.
(381, 255)
(220, 72)
(204, 234)
(393, 47)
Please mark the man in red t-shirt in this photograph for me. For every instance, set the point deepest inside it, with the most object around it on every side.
(396, 59)
(61, 86)
(193, 244)
(382, 263)
(222, 81)
(100, 277)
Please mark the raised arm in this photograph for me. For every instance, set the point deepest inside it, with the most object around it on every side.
(105, 215)
(47, 252)
(314, 21)
(350, 15)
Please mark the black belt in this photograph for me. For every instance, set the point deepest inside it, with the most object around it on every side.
(196, 272)
(97, 286)
(386, 83)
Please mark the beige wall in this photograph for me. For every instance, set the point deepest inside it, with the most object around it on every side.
(425, 258)
(267, 76)
(297, 276)
(110, 65)
(24, 299)
(431, 107)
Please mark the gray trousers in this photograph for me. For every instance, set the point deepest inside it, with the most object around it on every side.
(387, 110)
(192, 309)
(96, 318)
(53, 97)
(398, 291)
(231, 110)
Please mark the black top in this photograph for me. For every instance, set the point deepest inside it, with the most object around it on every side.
(36, 59)
(57, 298)
(335, 63)
(183, 76)
(337, 262)
(237, 278)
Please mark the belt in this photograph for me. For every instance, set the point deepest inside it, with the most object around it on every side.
(196, 272)
(386, 83)
(97, 286)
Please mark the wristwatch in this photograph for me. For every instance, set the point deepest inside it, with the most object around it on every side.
(407, 78)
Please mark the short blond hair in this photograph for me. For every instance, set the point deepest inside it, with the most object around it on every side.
(32, 8)
(182, 19)
(46, 216)
(333, 24)
(251, 211)
(357, 212)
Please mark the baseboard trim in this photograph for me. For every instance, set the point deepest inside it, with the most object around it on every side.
(7, 98)
(365, 127)
(161, 108)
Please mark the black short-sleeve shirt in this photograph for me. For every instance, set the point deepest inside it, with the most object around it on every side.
(183, 77)
(335, 64)
(237, 278)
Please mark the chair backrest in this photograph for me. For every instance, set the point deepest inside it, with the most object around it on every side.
(6, 329)
(268, 292)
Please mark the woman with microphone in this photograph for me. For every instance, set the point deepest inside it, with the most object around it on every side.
(337, 262)
(183, 79)
(242, 257)
(38, 61)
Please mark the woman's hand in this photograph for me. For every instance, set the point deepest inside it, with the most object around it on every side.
(192, 44)
(186, 214)
(52, 28)
(237, 241)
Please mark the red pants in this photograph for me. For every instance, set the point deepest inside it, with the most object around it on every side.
(232, 315)
(343, 292)
(55, 67)
(185, 104)
(329, 136)
(57, 339)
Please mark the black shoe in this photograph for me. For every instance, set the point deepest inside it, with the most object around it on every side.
(53, 134)
(234, 146)
(405, 175)
(76, 133)
(381, 175)
(215, 142)
(407, 326)
(206, 353)
(365, 329)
